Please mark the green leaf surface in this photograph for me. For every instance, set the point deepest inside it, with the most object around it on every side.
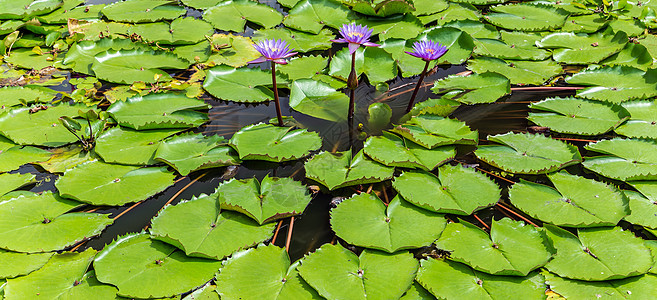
(28, 59)
(10, 182)
(642, 203)
(233, 50)
(475, 88)
(456, 190)
(80, 57)
(135, 11)
(577, 116)
(518, 71)
(581, 48)
(455, 12)
(380, 8)
(632, 55)
(584, 23)
(130, 66)
(624, 159)
(112, 184)
(312, 15)
(336, 170)
(190, 152)
(17, 95)
(159, 111)
(318, 99)
(19, 9)
(232, 15)
(459, 43)
(639, 287)
(273, 143)
(379, 115)
(431, 131)
(240, 85)
(303, 67)
(499, 49)
(180, 31)
(394, 151)
(428, 7)
(14, 157)
(89, 287)
(643, 120)
(16, 264)
(62, 14)
(298, 40)
(404, 26)
(476, 29)
(64, 158)
(129, 146)
(527, 17)
(616, 84)
(377, 64)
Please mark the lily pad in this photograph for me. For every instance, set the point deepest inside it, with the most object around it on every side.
(633, 55)
(130, 66)
(577, 116)
(241, 85)
(135, 11)
(584, 23)
(80, 57)
(28, 59)
(475, 29)
(643, 120)
(403, 26)
(380, 8)
(18, 264)
(233, 50)
(158, 111)
(180, 32)
(19, 9)
(336, 170)
(64, 158)
(475, 88)
(14, 157)
(596, 254)
(190, 152)
(431, 131)
(318, 99)
(266, 201)
(581, 48)
(642, 204)
(17, 95)
(394, 151)
(112, 184)
(616, 84)
(625, 159)
(232, 15)
(40, 223)
(312, 15)
(518, 71)
(298, 40)
(199, 228)
(377, 64)
(456, 190)
(130, 147)
(62, 14)
(10, 182)
(499, 49)
(303, 67)
(337, 273)
(639, 287)
(137, 265)
(363, 220)
(527, 17)
(265, 272)
(455, 12)
(273, 143)
(428, 7)
(525, 153)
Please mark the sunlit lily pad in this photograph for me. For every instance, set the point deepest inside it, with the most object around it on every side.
(375, 63)
(10, 182)
(144, 268)
(394, 151)
(475, 88)
(303, 67)
(584, 23)
(600, 253)
(159, 111)
(80, 57)
(19, 9)
(336, 170)
(17, 95)
(83, 12)
(518, 71)
(273, 143)
(232, 15)
(180, 31)
(266, 273)
(581, 48)
(625, 159)
(64, 158)
(476, 29)
(499, 49)
(455, 190)
(639, 287)
(135, 11)
(643, 120)
(337, 273)
(526, 17)
(233, 50)
(455, 12)
(112, 184)
(28, 59)
(190, 152)
(298, 40)
(365, 221)
(513, 248)
(577, 116)
(16, 264)
(380, 8)
(432, 131)
(241, 85)
(14, 157)
(632, 55)
(403, 26)
(616, 84)
(312, 15)
(40, 223)
(129, 66)
(642, 204)
(452, 280)
(318, 99)
(526, 153)
(130, 147)
(197, 227)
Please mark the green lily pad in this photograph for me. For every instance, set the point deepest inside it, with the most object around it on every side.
(80, 57)
(475, 29)
(10, 182)
(575, 201)
(206, 292)
(180, 31)
(584, 23)
(431, 131)
(455, 12)
(130, 66)
(136, 11)
(19, 9)
(616, 84)
(112, 184)
(521, 39)
(632, 55)
(417, 292)
(513, 248)
(363, 220)
(18, 264)
(409, 65)
(475, 88)
(394, 151)
(337, 273)
(200, 4)
(518, 71)
(336, 170)
(625, 159)
(527, 17)
(428, 7)
(89, 287)
(639, 287)
(481, 2)
(14, 157)
(643, 120)
(232, 15)
(379, 115)
(130, 147)
(577, 116)
(596, 254)
(298, 40)
(62, 14)
(64, 158)
(581, 48)
(266, 201)
(190, 152)
(456, 190)
(377, 64)
(138, 265)
(265, 272)
(95, 30)
(28, 59)
(273, 143)
(241, 85)
(642, 204)
(233, 50)
(459, 43)
(159, 111)
(22, 95)
(39, 223)
(380, 8)
(525, 153)
(303, 67)
(199, 228)
(499, 49)
(442, 106)
(318, 99)
(452, 280)
(404, 26)
(312, 15)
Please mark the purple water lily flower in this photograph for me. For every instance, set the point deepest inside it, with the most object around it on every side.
(273, 50)
(355, 35)
(428, 50)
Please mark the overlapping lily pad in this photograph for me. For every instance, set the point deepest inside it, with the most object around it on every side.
(180, 31)
(341, 169)
(136, 11)
(80, 56)
(642, 203)
(241, 85)
(10, 182)
(190, 152)
(17, 95)
(616, 84)
(580, 48)
(18, 264)
(577, 116)
(643, 120)
(624, 159)
(232, 15)
(392, 150)
(298, 40)
(431, 131)
(14, 157)
(518, 71)
(638, 287)
(129, 66)
(312, 15)
(499, 49)
(527, 17)
(475, 88)
(274, 143)
(318, 99)
(159, 111)
(377, 64)
(130, 147)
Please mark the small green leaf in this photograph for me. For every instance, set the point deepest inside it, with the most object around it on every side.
(130, 147)
(312, 15)
(318, 99)
(576, 116)
(394, 151)
(130, 66)
(432, 131)
(336, 170)
(643, 120)
(624, 159)
(240, 85)
(581, 48)
(232, 15)
(190, 152)
(273, 143)
(159, 111)
(475, 88)
(135, 11)
(527, 17)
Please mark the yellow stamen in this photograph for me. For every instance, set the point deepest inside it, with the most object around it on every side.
(355, 34)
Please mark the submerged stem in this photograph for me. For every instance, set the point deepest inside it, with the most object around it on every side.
(352, 84)
(417, 87)
(278, 104)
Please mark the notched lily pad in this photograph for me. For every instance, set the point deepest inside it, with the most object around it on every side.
(527, 17)
(190, 152)
(241, 85)
(130, 147)
(625, 159)
(475, 88)
(643, 204)
(432, 131)
(394, 151)
(643, 120)
(581, 48)
(232, 15)
(616, 84)
(158, 111)
(273, 143)
(577, 116)
(336, 170)
(10, 182)
(130, 66)
(639, 287)
(135, 11)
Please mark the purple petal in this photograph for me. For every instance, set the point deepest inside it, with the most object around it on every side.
(370, 44)
(258, 60)
(290, 54)
(339, 41)
(353, 47)
(280, 61)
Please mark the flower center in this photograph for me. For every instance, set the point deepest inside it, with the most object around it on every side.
(430, 51)
(355, 34)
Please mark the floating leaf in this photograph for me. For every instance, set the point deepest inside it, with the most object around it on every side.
(303, 67)
(298, 40)
(428, 7)
(643, 120)
(394, 151)
(456, 190)
(417, 292)
(581, 48)
(595, 254)
(89, 287)
(63, 14)
(518, 71)
(197, 227)
(80, 57)
(576, 116)
(380, 8)
(475, 29)
(129, 66)
(233, 50)
(39, 223)
(14, 157)
(527, 17)
(364, 220)
(475, 88)
(642, 204)
(190, 152)
(28, 59)
(312, 15)
(159, 111)
(16, 264)
(206, 292)
(273, 143)
(337, 273)
(625, 159)
(180, 31)
(499, 49)
(137, 265)
(318, 99)
(266, 201)
(616, 84)
(17, 95)
(455, 12)
(435, 106)
(404, 26)
(432, 131)
(379, 115)
(336, 170)
(633, 55)
(575, 201)
(10, 182)
(113, 184)
(200, 4)
(20, 9)
(265, 272)
(525, 153)
(241, 85)
(135, 11)
(640, 287)
(232, 15)
(64, 158)
(97, 29)
(376, 63)
(130, 147)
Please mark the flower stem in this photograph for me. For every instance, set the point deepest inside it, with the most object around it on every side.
(417, 87)
(352, 84)
(278, 104)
